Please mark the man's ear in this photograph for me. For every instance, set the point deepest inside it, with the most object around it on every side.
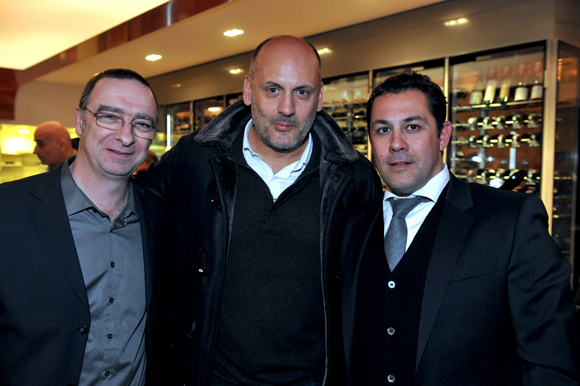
(247, 90)
(320, 97)
(78, 121)
(445, 135)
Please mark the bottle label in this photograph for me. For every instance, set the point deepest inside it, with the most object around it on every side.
(521, 94)
(537, 91)
(476, 97)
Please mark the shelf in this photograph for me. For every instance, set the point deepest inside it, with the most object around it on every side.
(499, 106)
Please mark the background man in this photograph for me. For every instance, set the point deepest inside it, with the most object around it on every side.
(256, 199)
(53, 145)
(482, 294)
(77, 244)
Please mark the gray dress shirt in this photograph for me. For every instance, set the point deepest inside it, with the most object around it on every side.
(111, 259)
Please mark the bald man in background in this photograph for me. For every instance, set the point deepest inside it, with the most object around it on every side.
(53, 145)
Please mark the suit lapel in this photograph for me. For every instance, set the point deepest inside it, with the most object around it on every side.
(146, 216)
(51, 221)
(453, 229)
(361, 225)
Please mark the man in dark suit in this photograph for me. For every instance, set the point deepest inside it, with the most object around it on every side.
(76, 250)
(479, 293)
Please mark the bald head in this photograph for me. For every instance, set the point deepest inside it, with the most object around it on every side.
(53, 145)
(290, 45)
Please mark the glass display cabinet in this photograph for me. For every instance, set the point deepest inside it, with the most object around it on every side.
(178, 122)
(496, 109)
(207, 109)
(565, 209)
(345, 100)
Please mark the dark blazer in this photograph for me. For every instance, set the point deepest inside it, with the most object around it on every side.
(497, 306)
(44, 310)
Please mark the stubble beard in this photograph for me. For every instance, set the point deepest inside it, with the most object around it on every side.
(264, 124)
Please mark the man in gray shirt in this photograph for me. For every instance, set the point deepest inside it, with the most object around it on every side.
(77, 250)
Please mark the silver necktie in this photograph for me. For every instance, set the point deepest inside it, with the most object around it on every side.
(396, 237)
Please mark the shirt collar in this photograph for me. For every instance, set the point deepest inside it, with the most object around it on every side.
(295, 167)
(77, 201)
(432, 189)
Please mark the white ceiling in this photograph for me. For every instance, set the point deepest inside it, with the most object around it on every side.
(34, 30)
(198, 39)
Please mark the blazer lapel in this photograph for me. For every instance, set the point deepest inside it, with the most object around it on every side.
(453, 229)
(146, 220)
(51, 221)
(361, 224)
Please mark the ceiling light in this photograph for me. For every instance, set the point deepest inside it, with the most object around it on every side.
(214, 109)
(324, 51)
(153, 57)
(236, 71)
(176, 85)
(455, 22)
(233, 32)
(23, 131)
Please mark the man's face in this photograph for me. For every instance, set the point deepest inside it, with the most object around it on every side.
(48, 147)
(285, 93)
(406, 146)
(108, 153)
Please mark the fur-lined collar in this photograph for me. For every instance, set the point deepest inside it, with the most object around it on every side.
(224, 128)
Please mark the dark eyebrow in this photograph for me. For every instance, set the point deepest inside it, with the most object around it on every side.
(414, 118)
(381, 122)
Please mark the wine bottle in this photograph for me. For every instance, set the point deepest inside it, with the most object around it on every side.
(538, 82)
(506, 84)
(489, 96)
(522, 92)
(477, 92)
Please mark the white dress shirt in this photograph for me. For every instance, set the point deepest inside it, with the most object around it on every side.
(280, 181)
(432, 190)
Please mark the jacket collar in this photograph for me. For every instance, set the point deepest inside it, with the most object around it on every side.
(224, 128)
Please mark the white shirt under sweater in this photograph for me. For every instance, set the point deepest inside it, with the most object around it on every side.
(280, 181)
(432, 190)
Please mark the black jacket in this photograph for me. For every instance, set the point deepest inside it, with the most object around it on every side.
(44, 309)
(197, 179)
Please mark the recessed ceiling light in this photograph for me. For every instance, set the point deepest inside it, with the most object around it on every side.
(455, 22)
(23, 131)
(214, 108)
(153, 57)
(176, 85)
(236, 71)
(233, 32)
(324, 51)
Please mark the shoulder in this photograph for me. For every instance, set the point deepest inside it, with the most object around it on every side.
(24, 186)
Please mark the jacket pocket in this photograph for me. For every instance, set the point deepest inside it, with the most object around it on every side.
(467, 272)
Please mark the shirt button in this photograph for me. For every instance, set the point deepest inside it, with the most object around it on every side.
(112, 264)
(391, 331)
(111, 300)
(391, 378)
(107, 373)
(110, 336)
(391, 284)
(83, 330)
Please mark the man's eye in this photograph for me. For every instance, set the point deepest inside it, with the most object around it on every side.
(413, 127)
(108, 118)
(272, 90)
(383, 129)
(143, 125)
(303, 93)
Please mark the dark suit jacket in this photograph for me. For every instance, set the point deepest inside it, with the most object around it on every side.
(44, 311)
(497, 306)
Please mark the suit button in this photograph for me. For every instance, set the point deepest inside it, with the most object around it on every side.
(83, 329)
(391, 284)
(110, 336)
(391, 331)
(215, 203)
(391, 378)
(202, 272)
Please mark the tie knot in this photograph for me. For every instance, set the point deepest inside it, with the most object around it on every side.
(402, 207)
